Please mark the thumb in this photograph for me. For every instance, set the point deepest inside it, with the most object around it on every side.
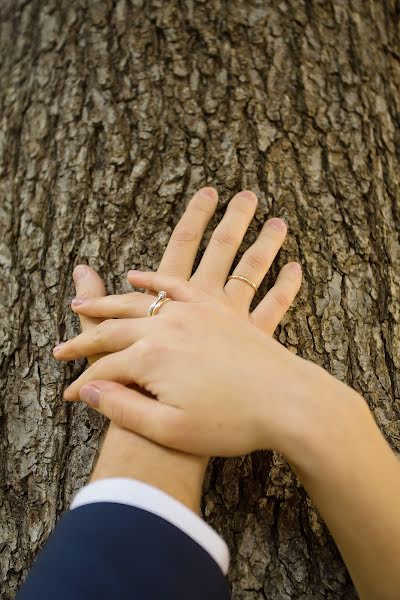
(133, 410)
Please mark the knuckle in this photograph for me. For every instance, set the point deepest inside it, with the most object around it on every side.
(175, 323)
(255, 260)
(149, 351)
(158, 348)
(224, 239)
(141, 350)
(240, 208)
(184, 235)
(281, 299)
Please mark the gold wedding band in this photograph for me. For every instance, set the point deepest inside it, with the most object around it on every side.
(154, 308)
(245, 280)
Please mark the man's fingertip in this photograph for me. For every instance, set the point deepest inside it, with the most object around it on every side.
(209, 192)
(58, 347)
(80, 271)
(133, 273)
(295, 267)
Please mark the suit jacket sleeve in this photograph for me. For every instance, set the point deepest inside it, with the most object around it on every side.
(109, 550)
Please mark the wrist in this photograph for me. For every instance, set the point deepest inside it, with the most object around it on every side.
(352, 475)
(323, 422)
(125, 454)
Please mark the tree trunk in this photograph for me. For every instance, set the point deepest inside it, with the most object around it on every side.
(112, 114)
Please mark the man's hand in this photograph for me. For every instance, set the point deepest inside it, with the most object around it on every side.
(126, 454)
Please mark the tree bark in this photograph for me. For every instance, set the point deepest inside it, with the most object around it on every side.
(113, 113)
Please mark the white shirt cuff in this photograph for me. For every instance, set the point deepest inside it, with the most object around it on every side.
(146, 497)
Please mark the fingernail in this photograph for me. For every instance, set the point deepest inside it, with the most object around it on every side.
(209, 192)
(133, 272)
(79, 272)
(248, 194)
(56, 348)
(277, 223)
(90, 395)
(77, 301)
(295, 267)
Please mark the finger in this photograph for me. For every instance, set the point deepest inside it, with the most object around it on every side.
(255, 263)
(184, 242)
(279, 299)
(120, 367)
(111, 335)
(88, 284)
(176, 288)
(225, 241)
(132, 410)
(121, 306)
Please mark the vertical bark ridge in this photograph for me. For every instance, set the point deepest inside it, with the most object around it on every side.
(112, 114)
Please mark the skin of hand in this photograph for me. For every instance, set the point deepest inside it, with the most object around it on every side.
(326, 430)
(120, 451)
(209, 369)
(126, 454)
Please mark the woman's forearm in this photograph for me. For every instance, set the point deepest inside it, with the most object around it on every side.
(353, 477)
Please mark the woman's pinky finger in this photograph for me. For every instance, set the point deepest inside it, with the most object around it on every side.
(132, 410)
(270, 311)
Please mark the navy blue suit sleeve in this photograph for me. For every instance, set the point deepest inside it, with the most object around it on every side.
(107, 551)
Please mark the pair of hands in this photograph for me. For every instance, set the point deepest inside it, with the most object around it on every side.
(224, 386)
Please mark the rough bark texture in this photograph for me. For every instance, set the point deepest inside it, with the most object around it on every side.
(112, 114)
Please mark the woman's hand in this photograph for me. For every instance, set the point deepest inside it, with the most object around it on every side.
(210, 276)
(116, 334)
(224, 387)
